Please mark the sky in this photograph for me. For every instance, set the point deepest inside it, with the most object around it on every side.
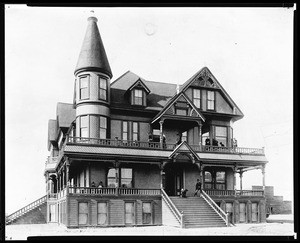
(248, 50)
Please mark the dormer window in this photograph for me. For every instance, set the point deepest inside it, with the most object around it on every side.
(102, 88)
(84, 87)
(138, 97)
(138, 92)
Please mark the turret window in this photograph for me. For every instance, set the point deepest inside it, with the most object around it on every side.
(103, 127)
(102, 89)
(84, 129)
(197, 98)
(84, 87)
(210, 100)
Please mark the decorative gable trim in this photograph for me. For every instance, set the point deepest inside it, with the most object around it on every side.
(184, 149)
(139, 84)
(170, 110)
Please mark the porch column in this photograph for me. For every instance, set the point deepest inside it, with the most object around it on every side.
(161, 122)
(67, 175)
(117, 165)
(200, 135)
(241, 180)
(234, 177)
(263, 176)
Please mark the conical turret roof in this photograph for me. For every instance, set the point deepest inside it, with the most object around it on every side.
(92, 55)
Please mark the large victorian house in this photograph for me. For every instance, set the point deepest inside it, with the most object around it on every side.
(121, 152)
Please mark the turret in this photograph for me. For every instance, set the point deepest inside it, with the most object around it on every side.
(92, 86)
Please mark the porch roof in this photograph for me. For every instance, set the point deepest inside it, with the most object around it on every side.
(163, 154)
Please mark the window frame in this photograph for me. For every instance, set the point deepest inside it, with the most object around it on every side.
(87, 87)
(209, 100)
(107, 212)
(101, 128)
(134, 211)
(88, 212)
(196, 98)
(137, 132)
(87, 126)
(152, 212)
(120, 176)
(127, 130)
(222, 137)
(101, 89)
(134, 94)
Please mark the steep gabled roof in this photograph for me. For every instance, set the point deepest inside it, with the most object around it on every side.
(92, 55)
(185, 149)
(205, 71)
(172, 101)
(139, 83)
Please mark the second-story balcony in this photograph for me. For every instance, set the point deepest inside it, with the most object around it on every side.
(158, 146)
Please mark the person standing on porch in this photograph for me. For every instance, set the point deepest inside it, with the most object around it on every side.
(198, 188)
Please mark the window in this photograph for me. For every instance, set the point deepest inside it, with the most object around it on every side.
(84, 132)
(210, 100)
(111, 178)
(184, 136)
(126, 177)
(84, 87)
(83, 213)
(103, 127)
(220, 180)
(137, 97)
(135, 131)
(102, 213)
(147, 213)
(129, 213)
(205, 138)
(254, 210)
(208, 180)
(197, 98)
(221, 135)
(124, 130)
(102, 89)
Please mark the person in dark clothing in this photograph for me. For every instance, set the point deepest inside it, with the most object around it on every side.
(183, 192)
(198, 188)
(222, 145)
(215, 142)
(207, 141)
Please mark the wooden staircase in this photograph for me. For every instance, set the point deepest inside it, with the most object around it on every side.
(30, 213)
(197, 212)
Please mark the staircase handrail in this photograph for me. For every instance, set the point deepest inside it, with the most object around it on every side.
(25, 209)
(173, 208)
(217, 209)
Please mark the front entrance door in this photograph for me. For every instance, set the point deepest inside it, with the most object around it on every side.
(174, 180)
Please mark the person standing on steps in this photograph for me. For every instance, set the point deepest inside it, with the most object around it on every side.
(198, 188)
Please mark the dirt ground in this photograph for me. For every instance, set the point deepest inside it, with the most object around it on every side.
(277, 225)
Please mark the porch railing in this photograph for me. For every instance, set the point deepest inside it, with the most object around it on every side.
(218, 210)
(234, 192)
(179, 216)
(157, 145)
(113, 191)
(25, 209)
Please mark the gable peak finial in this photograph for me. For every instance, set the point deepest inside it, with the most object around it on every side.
(92, 16)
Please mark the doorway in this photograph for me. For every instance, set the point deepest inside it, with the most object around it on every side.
(174, 179)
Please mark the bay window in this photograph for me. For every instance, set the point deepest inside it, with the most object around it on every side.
(102, 89)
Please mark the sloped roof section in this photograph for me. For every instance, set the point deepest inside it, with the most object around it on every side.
(52, 131)
(65, 114)
(183, 148)
(92, 55)
(156, 100)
